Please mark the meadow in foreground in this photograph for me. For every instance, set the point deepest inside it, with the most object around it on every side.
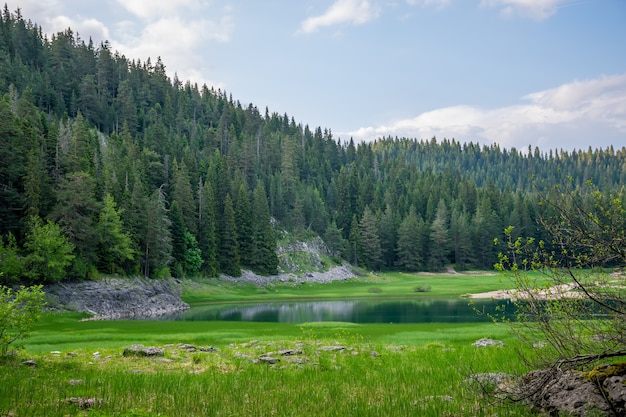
(321, 369)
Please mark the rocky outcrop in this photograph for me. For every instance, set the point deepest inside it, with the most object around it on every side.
(117, 298)
(556, 392)
(338, 273)
(559, 392)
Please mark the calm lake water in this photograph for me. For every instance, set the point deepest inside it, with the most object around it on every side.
(422, 310)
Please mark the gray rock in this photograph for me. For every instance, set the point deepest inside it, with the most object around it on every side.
(84, 402)
(187, 347)
(338, 273)
(557, 392)
(208, 349)
(615, 388)
(290, 352)
(334, 348)
(488, 342)
(140, 350)
(267, 359)
(29, 362)
(115, 298)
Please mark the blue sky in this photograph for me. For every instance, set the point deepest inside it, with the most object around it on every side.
(547, 73)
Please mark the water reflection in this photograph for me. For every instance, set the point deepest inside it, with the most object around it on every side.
(355, 311)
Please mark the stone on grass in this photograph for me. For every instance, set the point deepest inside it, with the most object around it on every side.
(290, 352)
(29, 362)
(141, 350)
(267, 359)
(208, 349)
(484, 342)
(84, 402)
(333, 348)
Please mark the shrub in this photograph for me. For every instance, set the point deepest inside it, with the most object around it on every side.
(19, 311)
(422, 288)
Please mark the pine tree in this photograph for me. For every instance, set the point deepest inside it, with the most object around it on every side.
(243, 221)
(207, 240)
(157, 240)
(410, 244)
(177, 232)
(229, 248)
(439, 238)
(115, 249)
(370, 240)
(265, 260)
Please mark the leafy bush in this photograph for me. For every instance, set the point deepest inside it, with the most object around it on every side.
(375, 290)
(422, 288)
(19, 311)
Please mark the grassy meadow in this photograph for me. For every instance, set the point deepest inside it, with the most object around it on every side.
(333, 369)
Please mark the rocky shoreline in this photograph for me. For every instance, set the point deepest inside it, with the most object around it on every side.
(118, 298)
(124, 298)
(338, 273)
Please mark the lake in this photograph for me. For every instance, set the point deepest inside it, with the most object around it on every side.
(413, 310)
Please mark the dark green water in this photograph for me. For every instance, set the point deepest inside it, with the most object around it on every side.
(415, 310)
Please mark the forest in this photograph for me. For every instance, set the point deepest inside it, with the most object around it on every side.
(109, 166)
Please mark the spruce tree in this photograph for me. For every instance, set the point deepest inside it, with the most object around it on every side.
(229, 248)
(207, 240)
(370, 240)
(243, 221)
(115, 249)
(410, 242)
(265, 260)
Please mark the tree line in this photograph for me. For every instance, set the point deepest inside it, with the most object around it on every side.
(107, 165)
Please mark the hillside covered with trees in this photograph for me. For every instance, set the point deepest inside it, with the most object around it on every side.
(107, 165)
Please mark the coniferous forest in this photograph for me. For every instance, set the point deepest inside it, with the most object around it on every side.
(107, 165)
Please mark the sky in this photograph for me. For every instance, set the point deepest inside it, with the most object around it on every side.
(519, 73)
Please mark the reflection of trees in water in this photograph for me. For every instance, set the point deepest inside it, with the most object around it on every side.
(356, 311)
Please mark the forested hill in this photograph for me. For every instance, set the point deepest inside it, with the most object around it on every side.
(108, 165)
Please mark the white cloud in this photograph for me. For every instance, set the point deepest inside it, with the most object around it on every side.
(578, 114)
(535, 9)
(47, 15)
(176, 41)
(427, 3)
(151, 9)
(342, 11)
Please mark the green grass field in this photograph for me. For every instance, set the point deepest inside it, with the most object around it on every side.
(382, 370)
(390, 284)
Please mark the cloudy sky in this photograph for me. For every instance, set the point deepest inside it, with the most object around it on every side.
(547, 73)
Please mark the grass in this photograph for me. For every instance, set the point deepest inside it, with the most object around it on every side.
(391, 284)
(382, 370)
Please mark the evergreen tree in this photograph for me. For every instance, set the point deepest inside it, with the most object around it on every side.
(207, 240)
(229, 248)
(388, 236)
(265, 260)
(157, 239)
(182, 192)
(115, 249)
(76, 212)
(410, 244)
(192, 261)
(439, 238)
(485, 227)
(243, 221)
(461, 239)
(370, 240)
(353, 249)
(334, 240)
(177, 232)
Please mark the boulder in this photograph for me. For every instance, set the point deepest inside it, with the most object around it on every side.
(488, 342)
(141, 350)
